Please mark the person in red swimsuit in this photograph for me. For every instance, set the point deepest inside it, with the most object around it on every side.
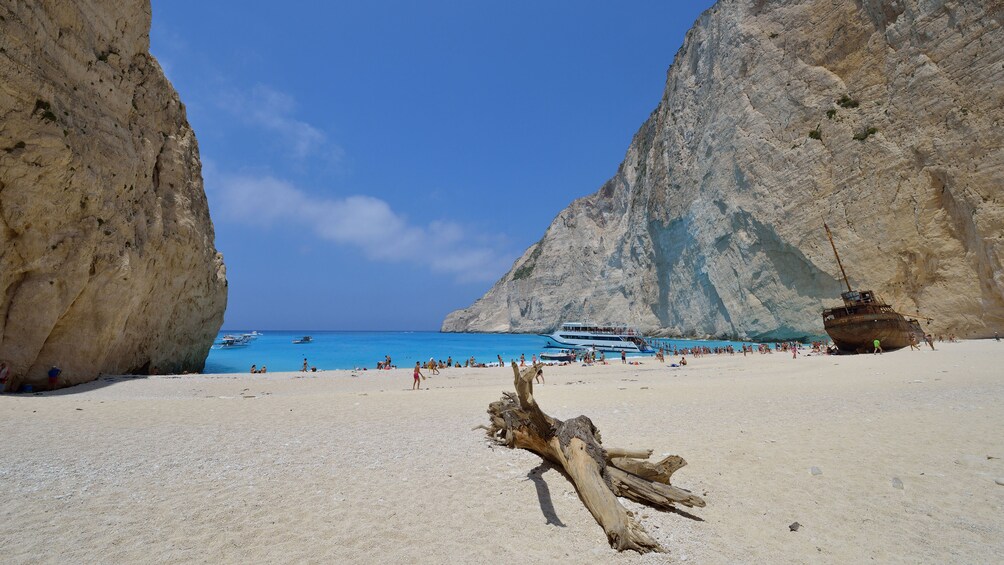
(417, 385)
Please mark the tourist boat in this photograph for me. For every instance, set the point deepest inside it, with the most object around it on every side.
(574, 335)
(865, 317)
(232, 342)
(304, 339)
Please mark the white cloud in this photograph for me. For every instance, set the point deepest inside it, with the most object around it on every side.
(363, 222)
(271, 110)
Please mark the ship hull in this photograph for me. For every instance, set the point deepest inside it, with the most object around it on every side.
(856, 333)
(609, 344)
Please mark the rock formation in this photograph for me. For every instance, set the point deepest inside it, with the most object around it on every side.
(107, 260)
(882, 118)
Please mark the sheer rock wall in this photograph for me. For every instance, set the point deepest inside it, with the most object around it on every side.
(882, 118)
(107, 257)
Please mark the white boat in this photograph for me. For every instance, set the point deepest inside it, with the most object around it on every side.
(232, 342)
(601, 337)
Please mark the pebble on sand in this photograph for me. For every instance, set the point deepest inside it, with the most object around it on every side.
(1000, 481)
(816, 471)
(896, 483)
(794, 526)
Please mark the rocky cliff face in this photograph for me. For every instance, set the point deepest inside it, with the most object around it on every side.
(882, 118)
(107, 262)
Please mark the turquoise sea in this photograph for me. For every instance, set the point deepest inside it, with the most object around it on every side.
(350, 350)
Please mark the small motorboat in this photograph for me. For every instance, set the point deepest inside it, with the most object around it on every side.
(304, 339)
(232, 342)
(564, 356)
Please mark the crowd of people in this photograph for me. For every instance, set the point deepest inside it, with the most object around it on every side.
(567, 357)
(591, 356)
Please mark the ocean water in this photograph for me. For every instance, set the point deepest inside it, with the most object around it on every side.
(350, 350)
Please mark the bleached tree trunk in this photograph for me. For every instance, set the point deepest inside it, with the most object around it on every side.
(600, 475)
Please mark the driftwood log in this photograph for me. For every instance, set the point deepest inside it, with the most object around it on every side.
(600, 474)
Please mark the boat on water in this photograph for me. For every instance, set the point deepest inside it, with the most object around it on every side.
(865, 317)
(232, 342)
(610, 337)
(304, 339)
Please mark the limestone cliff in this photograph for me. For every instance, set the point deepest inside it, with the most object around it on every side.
(107, 260)
(883, 118)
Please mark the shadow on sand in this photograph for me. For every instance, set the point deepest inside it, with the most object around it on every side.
(543, 493)
(100, 382)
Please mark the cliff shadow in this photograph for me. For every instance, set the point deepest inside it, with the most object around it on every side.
(98, 383)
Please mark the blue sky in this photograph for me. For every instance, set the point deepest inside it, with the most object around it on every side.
(375, 165)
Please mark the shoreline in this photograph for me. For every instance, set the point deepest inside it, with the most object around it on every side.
(326, 466)
(349, 350)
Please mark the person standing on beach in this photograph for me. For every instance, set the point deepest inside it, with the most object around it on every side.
(623, 356)
(304, 368)
(878, 347)
(432, 366)
(54, 373)
(417, 385)
(522, 360)
(913, 343)
(501, 364)
(930, 340)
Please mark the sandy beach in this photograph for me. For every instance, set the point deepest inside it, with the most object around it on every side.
(343, 466)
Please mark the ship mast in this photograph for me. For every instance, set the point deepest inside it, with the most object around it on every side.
(841, 265)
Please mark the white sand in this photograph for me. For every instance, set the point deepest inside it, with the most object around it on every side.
(334, 468)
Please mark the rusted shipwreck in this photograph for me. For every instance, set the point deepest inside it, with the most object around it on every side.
(865, 317)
